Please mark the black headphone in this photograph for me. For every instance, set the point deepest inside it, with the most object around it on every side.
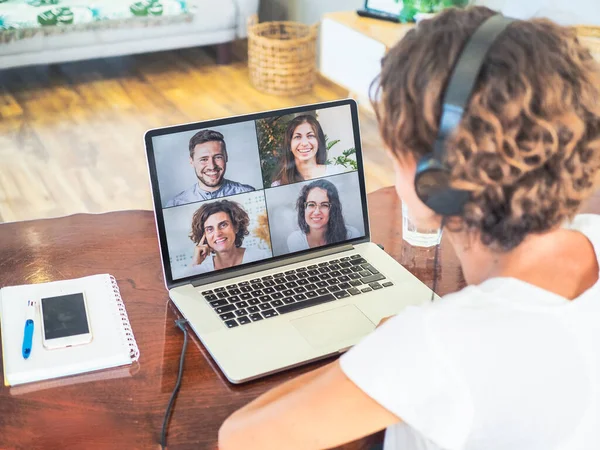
(432, 179)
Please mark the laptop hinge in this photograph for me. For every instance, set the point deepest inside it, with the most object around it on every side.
(272, 265)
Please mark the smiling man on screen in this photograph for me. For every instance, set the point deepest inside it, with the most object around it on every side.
(208, 157)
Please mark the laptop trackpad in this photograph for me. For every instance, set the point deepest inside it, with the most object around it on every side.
(344, 325)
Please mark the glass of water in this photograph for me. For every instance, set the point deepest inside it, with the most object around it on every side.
(418, 236)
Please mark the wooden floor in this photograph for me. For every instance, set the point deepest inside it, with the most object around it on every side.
(71, 134)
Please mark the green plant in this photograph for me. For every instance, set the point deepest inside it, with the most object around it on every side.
(344, 159)
(412, 7)
(270, 133)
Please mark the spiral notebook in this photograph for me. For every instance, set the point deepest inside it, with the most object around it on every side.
(113, 343)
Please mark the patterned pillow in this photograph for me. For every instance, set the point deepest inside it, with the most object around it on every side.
(24, 18)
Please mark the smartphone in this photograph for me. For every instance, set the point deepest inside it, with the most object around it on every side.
(65, 321)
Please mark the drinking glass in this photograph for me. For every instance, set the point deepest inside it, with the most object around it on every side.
(415, 235)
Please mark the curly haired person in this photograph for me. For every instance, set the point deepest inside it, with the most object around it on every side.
(218, 230)
(513, 360)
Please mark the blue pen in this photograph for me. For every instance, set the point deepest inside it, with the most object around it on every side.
(28, 332)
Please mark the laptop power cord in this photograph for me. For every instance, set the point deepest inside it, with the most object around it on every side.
(163, 438)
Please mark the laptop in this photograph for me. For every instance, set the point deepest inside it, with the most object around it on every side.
(272, 269)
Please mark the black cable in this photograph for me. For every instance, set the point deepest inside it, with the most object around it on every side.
(163, 438)
(435, 264)
(435, 259)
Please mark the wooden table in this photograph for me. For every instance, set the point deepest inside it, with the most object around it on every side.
(125, 409)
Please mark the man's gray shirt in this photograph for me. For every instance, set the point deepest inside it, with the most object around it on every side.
(195, 194)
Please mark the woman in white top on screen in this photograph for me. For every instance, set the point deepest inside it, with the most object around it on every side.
(304, 152)
(320, 218)
(218, 230)
(511, 362)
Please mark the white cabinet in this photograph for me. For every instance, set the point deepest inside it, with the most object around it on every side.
(351, 49)
(349, 58)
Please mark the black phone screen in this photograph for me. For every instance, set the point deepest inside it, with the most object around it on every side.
(64, 316)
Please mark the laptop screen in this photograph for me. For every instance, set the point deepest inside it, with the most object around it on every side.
(250, 189)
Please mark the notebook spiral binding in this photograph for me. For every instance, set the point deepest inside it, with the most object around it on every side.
(134, 352)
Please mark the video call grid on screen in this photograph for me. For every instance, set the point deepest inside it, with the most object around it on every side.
(250, 177)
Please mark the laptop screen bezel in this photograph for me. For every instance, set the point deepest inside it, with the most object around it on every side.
(281, 259)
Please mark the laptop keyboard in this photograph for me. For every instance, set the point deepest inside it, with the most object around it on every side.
(292, 290)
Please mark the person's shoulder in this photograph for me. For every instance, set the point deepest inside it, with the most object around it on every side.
(296, 241)
(206, 266)
(352, 232)
(295, 236)
(589, 226)
(240, 187)
(182, 198)
(256, 254)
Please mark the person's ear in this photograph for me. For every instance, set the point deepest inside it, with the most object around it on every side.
(224, 150)
(191, 161)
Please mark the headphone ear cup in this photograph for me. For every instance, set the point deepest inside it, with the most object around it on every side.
(431, 177)
(432, 186)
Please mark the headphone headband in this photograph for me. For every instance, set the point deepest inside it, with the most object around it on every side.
(433, 176)
(471, 59)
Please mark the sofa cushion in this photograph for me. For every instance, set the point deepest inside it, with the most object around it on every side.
(22, 19)
(204, 16)
(207, 15)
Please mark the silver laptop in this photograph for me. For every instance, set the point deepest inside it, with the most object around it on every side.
(264, 236)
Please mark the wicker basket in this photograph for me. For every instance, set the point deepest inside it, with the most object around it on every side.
(282, 56)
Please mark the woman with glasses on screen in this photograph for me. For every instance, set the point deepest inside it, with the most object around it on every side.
(319, 217)
(304, 153)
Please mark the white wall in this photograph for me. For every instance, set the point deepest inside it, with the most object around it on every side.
(337, 124)
(572, 12)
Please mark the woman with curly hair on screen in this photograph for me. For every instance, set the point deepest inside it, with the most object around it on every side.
(218, 230)
(304, 152)
(512, 361)
(320, 218)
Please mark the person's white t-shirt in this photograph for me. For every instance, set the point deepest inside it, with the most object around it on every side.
(297, 240)
(503, 365)
(208, 265)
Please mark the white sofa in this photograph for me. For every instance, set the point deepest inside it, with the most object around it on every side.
(214, 22)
